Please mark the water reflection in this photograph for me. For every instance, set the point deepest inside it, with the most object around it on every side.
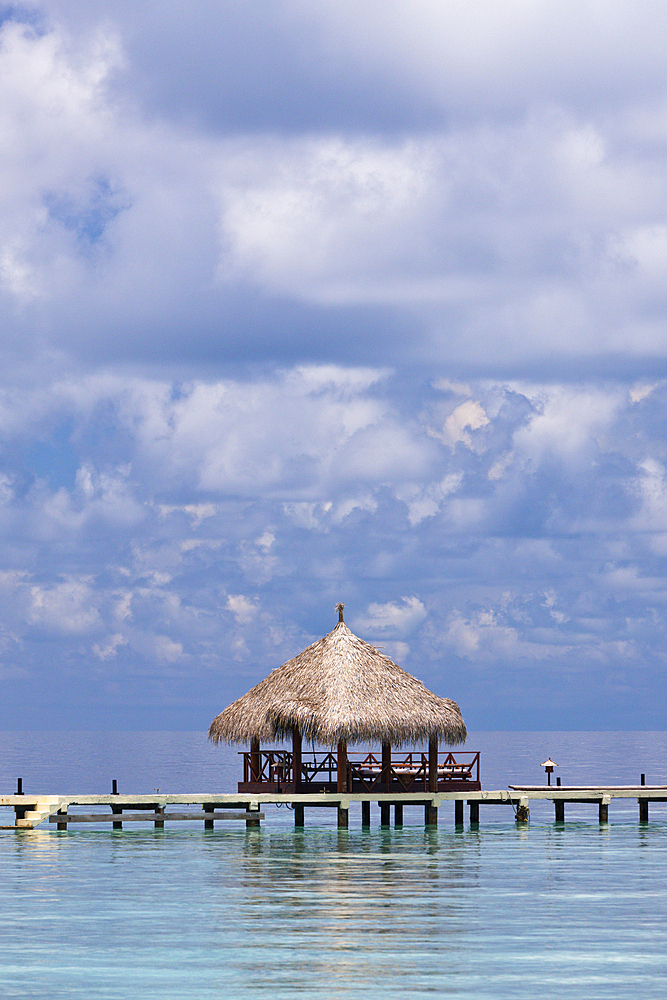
(320, 912)
(393, 895)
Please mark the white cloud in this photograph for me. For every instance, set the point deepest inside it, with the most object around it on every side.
(116, 220)
(225, 434)
(482, 57)
(67, 607)
(233, 347)
(571, 424)
(399, 652)
(330, 210)
(109, 649)
(243, 608)
(426, 501)
(484, 636)
(467, 416)
(449, 385)
(307, 515)
(642, 390)
(166, 649)
(651, 487)
(197, 512)
(266, 540)
(392, 618)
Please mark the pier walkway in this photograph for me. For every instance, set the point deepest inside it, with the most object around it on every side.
(65, 810)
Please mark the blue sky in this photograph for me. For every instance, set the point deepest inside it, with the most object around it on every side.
(359, 301)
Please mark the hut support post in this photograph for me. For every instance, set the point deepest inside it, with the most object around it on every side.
(365, 814)
(458, 812)
(255, 759)
(341, 772)
(433, 764)
(343, 817)
(298, 814)
(398, 814)
(386, 766)
(474, 812)
(430, 814)
(296, 758)
(384, 813)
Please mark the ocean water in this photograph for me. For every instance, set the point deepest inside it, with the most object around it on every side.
(572, 910)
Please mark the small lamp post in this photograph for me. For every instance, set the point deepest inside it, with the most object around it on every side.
(549, 766)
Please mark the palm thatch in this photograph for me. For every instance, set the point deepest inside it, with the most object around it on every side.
(340, 688)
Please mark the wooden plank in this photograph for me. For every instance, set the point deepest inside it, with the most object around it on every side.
(148, 817)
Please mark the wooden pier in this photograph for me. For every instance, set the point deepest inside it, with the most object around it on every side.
(63, 811)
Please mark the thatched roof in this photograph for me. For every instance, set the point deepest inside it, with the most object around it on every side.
(340, 688)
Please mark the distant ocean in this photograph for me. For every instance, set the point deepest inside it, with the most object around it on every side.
(572, 911)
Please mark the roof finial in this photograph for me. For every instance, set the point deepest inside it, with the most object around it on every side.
(339, 609)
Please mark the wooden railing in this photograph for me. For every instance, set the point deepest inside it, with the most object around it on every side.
(272, 766)
(407, 772)
(410, 771)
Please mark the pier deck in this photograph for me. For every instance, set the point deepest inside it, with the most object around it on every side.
(32, 810)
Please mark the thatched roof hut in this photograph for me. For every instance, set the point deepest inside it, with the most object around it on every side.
(340, 690)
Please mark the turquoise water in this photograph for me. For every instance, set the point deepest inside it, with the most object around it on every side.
(573, 910)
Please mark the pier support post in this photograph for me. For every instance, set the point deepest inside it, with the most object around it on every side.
(117, 824)
(430, 814)
(384, 814)
(643, 810)
(343, 817)
(62, 824)
(298, 814)
(523, 811)
(19, 812)
(458, 812)
(159, 810)
(559, 807)
(252, 816)
(398, 814)
(365, 814)
(474, 813)
(603, 810)
(208, 808)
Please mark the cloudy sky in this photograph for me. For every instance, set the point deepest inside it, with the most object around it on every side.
(358, 300)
